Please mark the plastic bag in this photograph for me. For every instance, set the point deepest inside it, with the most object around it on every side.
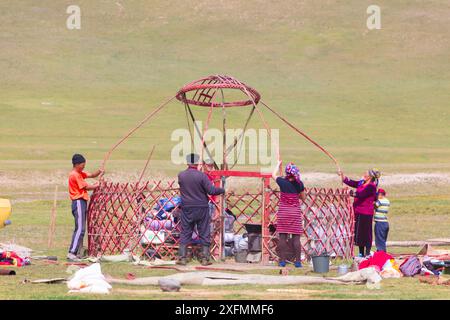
(89, 280)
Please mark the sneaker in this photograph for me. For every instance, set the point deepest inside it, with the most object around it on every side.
(360, 255)
(298, 264)
(82, 253)
(182, 261)
(282, 263)
(72, 258)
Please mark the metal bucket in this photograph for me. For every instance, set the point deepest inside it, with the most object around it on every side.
(321, 264)
(241, 256)
(254, 242)
(254, 236)
(342, 269)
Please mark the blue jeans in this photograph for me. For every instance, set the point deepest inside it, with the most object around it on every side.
(381, 234)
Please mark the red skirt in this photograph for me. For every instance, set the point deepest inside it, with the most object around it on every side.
(289, 215)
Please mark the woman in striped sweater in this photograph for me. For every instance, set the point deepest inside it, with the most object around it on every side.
(289, 215)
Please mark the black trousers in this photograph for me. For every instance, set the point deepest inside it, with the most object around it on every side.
(283, 246)
(363, 230)
(192, 217)
(79, 208)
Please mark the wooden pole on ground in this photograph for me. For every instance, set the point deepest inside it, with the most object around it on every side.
(433, 242)
(51, 229)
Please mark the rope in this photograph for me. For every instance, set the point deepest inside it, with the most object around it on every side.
(304, 135)
(148, 117)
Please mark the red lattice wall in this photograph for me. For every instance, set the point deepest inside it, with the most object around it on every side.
(120, 217)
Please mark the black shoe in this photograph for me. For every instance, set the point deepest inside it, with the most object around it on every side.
(83, 253)
(205, 256)
(205, 262)
(182, 250)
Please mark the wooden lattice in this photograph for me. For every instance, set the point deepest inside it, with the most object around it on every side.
(124, 216)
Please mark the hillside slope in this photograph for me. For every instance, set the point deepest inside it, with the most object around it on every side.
(378, 96)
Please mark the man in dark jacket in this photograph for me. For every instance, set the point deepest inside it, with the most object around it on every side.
(194, 189)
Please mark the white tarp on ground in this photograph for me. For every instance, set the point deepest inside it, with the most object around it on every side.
(89, 280)
(369, 275)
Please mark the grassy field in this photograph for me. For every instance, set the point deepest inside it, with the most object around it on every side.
(378, 97)
(372, 98)
(31, 226)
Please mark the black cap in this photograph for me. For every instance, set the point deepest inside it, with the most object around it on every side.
(77, 159)
(192, 158)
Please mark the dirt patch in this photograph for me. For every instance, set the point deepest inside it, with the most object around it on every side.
(39, 185)
(40, 179)
(387, 180)
(416, 178)
(270, 294)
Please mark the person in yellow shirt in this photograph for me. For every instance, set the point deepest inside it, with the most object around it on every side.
(381, 222)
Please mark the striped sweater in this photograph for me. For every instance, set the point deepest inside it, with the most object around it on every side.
(381, 209)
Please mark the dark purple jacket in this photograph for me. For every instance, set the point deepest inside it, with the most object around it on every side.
(365, 196)
(195, 187)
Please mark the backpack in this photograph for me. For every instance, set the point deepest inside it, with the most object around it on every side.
(165, 205)
(411, 266)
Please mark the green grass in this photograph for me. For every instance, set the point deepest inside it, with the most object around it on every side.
(372, 98)
(30, 228)
(377, 97)
(404, 288)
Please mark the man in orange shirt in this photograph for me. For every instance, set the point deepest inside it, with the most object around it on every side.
(78, 191)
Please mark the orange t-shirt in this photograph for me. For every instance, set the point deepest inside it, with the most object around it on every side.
(77, 185)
